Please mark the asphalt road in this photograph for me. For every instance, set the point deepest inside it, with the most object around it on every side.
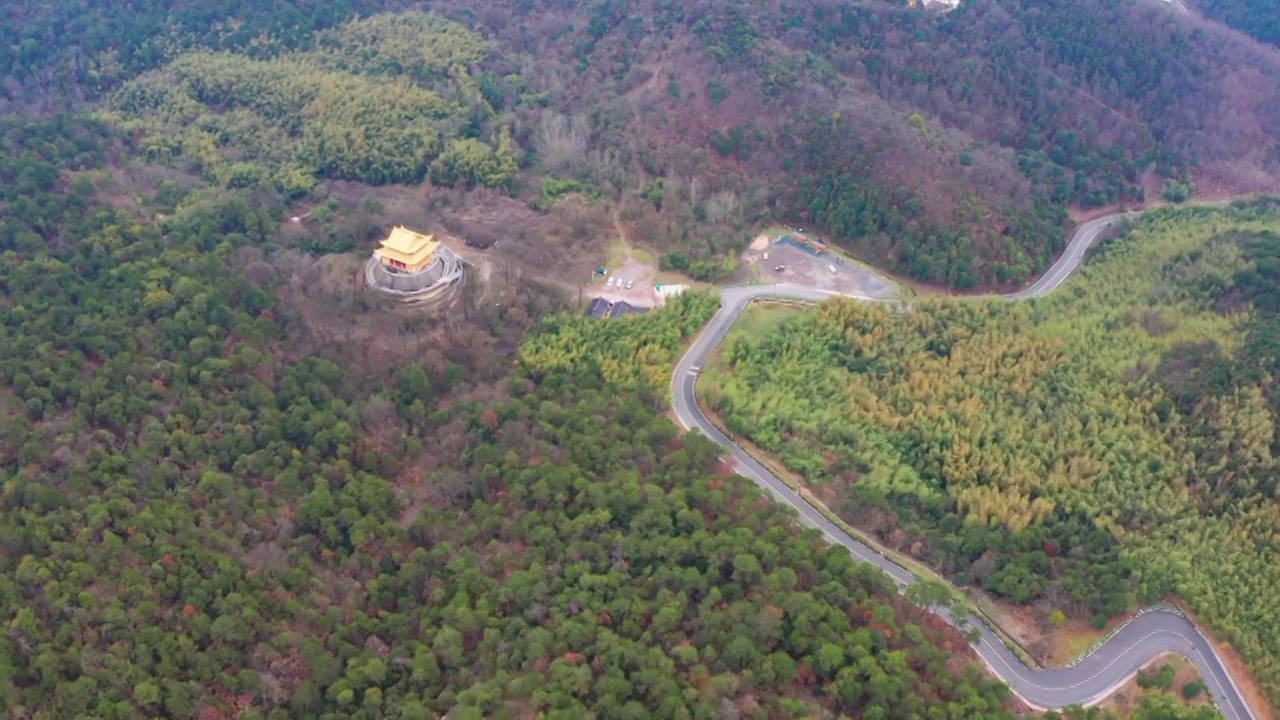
(1138, 643)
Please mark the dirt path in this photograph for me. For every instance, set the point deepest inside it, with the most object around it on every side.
(616, 217)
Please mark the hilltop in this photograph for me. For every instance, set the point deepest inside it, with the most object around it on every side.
(947, 146)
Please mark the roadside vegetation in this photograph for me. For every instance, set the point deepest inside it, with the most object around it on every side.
(1113, 441)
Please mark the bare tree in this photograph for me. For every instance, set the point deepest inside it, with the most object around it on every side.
(606, 170)
(722, 205)
(561, 141)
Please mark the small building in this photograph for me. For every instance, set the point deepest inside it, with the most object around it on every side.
(662, 292)
(599, 308)
(603, 307)
(812, 242)
(804, 242)
(622, 307)
(407, 251)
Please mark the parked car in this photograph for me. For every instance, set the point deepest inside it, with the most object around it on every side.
(832, 268)
(780, 268)
(630, 283)
(610, 283)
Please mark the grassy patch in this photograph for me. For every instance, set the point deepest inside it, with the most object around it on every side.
(669, 277)
(1074, 638)
(616, 253)
(760, 319)
(643, 256)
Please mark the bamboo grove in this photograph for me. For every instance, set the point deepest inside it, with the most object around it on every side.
(1113, 442)
(379, 100)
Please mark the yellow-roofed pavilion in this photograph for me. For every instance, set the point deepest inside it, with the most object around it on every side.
(407, 251)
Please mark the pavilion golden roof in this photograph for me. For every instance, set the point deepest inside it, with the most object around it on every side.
(408, 247)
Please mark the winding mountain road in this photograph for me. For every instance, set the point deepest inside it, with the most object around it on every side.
(1136, 644)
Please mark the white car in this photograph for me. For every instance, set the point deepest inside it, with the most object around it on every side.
(609, 283)
(630, 283)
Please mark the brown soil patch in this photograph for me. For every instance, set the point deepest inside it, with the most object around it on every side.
(559, 247)
(1186, 672)
(1125, 699)
(1228, 181)
(1074, 638)
(397, 199)
(1152, 184)
(1021, 624)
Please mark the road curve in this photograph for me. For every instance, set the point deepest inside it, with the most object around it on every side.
(1136, 644)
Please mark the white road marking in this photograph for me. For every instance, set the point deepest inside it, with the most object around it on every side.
(739, 297)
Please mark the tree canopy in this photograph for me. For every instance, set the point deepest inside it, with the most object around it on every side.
(365, 104)
(198, 522)
(945, 146)
(1115, 440)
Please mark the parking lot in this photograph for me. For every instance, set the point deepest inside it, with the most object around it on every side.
(638, 275)
(792, 265)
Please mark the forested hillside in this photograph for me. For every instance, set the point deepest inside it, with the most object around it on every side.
(70, 43)
(209, 509)
(195, 521)
(198, 521)
(1259, 18)
(943, 146)
(1115, 440)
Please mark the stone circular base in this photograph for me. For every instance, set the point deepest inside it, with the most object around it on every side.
(436, 285)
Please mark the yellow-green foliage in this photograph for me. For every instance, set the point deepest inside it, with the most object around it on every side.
(363, 106)
(412, 43)
(631, 351)
(467, 161)
(1111, 400)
